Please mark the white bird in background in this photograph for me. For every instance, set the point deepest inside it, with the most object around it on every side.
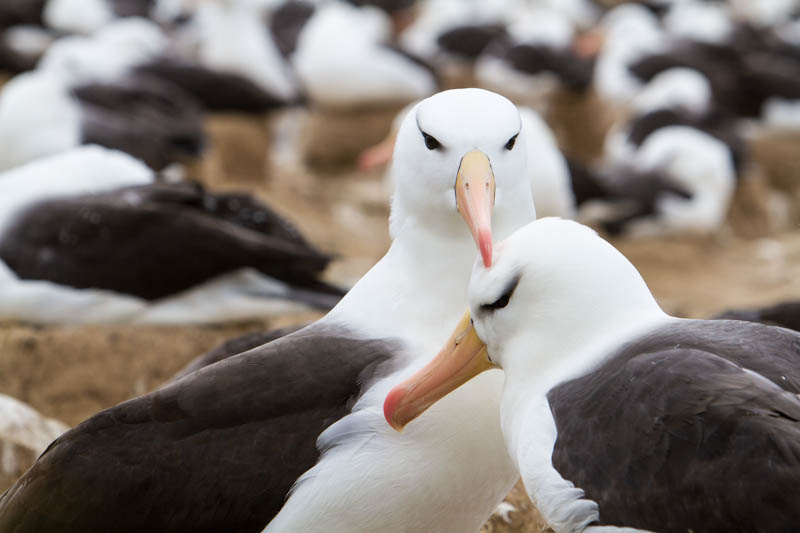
(549, 174)
(677, 89)
(630, 32)
(37, 118)
(679, 180)
(342, 60)
(89, 16)
(231, 37)
(83, 170)
(699, 164)
(81, 93)
(21, 426)
(108, 54)
(700, 21)
(91, 259)
(22, 45)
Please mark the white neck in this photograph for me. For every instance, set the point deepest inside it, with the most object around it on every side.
(545, 360)
(418, 286)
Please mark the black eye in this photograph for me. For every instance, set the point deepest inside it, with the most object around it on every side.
(504, 298)
(430, 142)
(511, 142)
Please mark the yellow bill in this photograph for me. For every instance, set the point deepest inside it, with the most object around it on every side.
(463, 357)
(475, 189)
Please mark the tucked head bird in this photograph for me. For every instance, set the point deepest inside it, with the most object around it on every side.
(295, 427)
(85, 91)
(615, 413)
(343, 61)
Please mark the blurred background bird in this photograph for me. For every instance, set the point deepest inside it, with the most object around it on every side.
(176, 173)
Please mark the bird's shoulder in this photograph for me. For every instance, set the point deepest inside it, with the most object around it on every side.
(667, 416)
(237, 433)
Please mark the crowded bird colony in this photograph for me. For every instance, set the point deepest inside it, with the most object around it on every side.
(399, 265)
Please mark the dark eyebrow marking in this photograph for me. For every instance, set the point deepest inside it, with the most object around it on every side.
(505, 297)
(511, 142)
(431, 142)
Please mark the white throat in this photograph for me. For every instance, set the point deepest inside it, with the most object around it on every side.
(550, 355)
(419, 286)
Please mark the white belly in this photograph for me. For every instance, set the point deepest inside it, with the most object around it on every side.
(446, 471)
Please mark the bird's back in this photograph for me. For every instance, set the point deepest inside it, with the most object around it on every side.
(694, 427)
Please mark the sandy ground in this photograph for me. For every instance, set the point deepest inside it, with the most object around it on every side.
(71, 372)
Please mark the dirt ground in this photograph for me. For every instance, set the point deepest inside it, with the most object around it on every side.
(70, 373)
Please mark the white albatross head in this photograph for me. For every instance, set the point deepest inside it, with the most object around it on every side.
(555, 295)
(462, 153)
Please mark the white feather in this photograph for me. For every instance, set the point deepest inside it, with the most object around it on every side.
(77, 16)
(37, 118)
(675, 88)
(705, 22)
(781, 113)
(698, 163)
(27, 39)
(83, 170)
(549, 174)
(232, 38)
(341, 61)
(630, 33)
(21, 425)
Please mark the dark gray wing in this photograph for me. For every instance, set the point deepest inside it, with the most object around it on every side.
(15, 12)
(636, 193)
(132, 8)
(574, 71)
(151, 241)
(767, 74)
(641, 191)
(413, 58)
(721, 64)
(286, 23)
(390, 6)
(716, 123)
(217, 91)
(587, 184)
(784, 314)
(15, 61)
(215, 451)
(772, 352)
(232, 347)
(470, 40)
(670, 436)
(148, 118)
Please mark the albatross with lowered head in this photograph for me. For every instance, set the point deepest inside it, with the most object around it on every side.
(616, 413)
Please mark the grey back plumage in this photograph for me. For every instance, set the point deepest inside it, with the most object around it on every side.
(677, 431)
(215, 451)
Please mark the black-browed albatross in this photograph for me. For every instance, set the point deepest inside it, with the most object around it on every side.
(158, 240)
(616, 413)
(87, 237)
(85, 90)
(220, 449)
